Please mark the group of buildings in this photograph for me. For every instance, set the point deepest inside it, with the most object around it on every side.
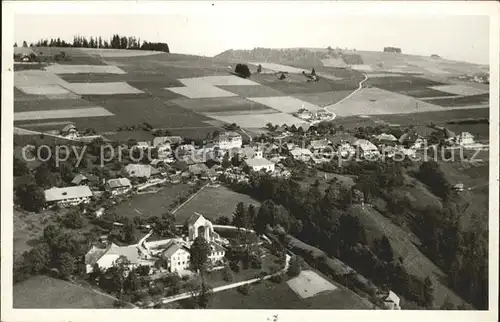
(168, 255)
(314, 117)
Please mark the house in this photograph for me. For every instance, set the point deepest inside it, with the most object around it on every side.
(105, 258)
(143, 145)
(318, 146)
(166, 140)
(301, 154)
(141, 170)
(386, 138)
(229, 140)
(464, 138)
(345, 149)
(80, 179)
(366, 149)
(176, 256)
(68, 196)
(257, 164)
(411, 139)
(392, 301)
(197, 169)
(118, 186)
(69, 131)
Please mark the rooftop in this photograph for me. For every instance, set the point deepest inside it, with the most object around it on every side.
(258, 162)
(118, 183)
(57, 194)
(140, 170)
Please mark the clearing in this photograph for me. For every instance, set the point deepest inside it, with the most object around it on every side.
(259, 120)
(213, 203)
(84, 69)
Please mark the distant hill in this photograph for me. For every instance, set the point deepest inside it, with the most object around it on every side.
(368, 61)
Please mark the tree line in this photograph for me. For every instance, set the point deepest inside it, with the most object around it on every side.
(115, 42)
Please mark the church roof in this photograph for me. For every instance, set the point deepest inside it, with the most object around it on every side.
(194, 218)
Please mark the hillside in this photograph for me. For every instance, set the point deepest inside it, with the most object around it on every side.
(368, 61)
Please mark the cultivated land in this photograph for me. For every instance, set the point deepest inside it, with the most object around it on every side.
(213, 203)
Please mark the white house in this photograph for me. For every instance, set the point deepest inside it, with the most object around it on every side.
(229, 140)
(464, 138)
(392, 301)
(176, 255)
(257, 164)
(68, 196)
(69, 131)
(141, 170)
(301, 154)
(345, 149)
(366, 149)
(118, 186)
(105, 258)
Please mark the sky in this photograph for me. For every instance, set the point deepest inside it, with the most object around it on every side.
(462, 38)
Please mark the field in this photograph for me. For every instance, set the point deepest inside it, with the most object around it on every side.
(460, 90)
(42, 292)
(171, 90)
(154, 204)
(28, 228)
(61, 114)
(285, 104)
(323, 99)
(213, 203)
(268, 295)
(373, 101)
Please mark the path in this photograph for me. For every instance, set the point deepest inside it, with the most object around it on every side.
(360, 86)
(189, 199)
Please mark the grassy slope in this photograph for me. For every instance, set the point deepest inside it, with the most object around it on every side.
(43, 292)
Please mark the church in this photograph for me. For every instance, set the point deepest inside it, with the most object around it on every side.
(173, 253)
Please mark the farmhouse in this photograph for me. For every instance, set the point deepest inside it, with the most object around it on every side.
(366, 149)
(301, 154)
(69, 131)
(141, 170)
(228, 140)
(68, 196)
(176, 256)
(386, 138)
(391, 300)
(169, 140)
(257, 164)
(464, 138)
(411, 139)
(319, 145)
(118, 186)
(107, 257)
(79, 179)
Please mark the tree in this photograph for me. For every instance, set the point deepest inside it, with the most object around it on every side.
(73, 219)
(428, 292)
(227, 275)
(44, 177)
(242, 70)
(132, 282)
(25, 44)
(30, 196)
(66, 264)
(294, 266)
(240, 216)
(251, 216)
(226, 163)
(129, 232)
(20, 167)
(202, 295)
(223, 220)
(200, 249)
(383, 249)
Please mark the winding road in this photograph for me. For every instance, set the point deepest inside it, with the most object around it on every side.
(360, 86)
